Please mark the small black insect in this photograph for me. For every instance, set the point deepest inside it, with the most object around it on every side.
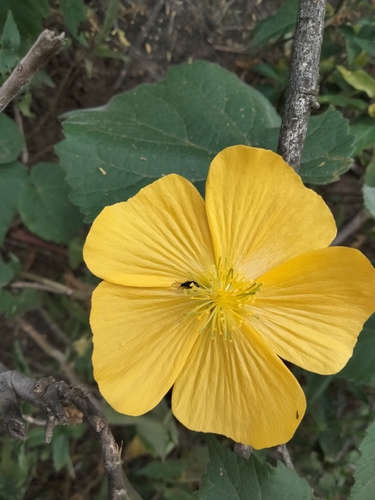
(297, 415)
(188, 284)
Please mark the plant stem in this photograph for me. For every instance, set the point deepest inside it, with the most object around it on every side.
(303, 84)
(43, 49)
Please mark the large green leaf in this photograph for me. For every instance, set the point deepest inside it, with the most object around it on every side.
(328, 148)
(275, 26)
(12, 178)
(231, 477)
(11, 141)
(177, 125)
(364, 486)
(361, 366)
(44, 205)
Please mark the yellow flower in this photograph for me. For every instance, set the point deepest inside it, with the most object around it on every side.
(210, 296)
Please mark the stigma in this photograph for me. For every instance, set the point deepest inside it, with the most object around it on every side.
(221, 299)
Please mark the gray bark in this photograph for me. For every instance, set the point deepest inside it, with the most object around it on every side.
(45, 47)
(303, 84)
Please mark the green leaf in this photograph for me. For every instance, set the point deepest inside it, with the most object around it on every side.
(24, 105)
(361, 366)
(231, 477)
(168, 471)
(177, 125)
(176, 493)
(10, 42)
(74, 13)
(364, 38)
(42, 78)
(6, 273)
(13, 305)
(60, 451)
(11, 37)
(343, 101)
(28, 15)
(11, 141)
(157, 429)
(369, 198)
(280, 75)
(75, 251)
(328, 148)
(197, 464)
(44, 205)
(364, 476)
(363, 130)
(359, 79)
(17, 467)
(12, 178)
(366, 44)
(274, 27)
(352, 47)
(105, 51)
(7, 62)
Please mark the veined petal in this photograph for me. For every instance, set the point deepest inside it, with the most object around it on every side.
(311, 309)
(142, 338)
(239, 389)
(260, 213)
(159, 236)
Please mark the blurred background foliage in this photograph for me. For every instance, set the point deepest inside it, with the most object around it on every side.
(113, 47)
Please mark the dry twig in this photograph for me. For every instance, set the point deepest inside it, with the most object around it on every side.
(300, 99)
(243, 450)
(351, 227)
(50, 350)
(43, 49)
(283, 450)
(64, 405)
(303, 84)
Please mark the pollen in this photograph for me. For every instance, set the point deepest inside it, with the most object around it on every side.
(222, 300)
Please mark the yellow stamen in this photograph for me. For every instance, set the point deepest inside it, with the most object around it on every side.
(224, 298)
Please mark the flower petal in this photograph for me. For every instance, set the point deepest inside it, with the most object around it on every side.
(239, 389)
(311, 309)
(142, 338)
(159, 236)
(260, 213)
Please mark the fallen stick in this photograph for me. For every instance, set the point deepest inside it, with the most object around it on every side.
(43, 49)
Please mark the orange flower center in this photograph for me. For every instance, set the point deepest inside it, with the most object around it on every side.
(223, 299)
